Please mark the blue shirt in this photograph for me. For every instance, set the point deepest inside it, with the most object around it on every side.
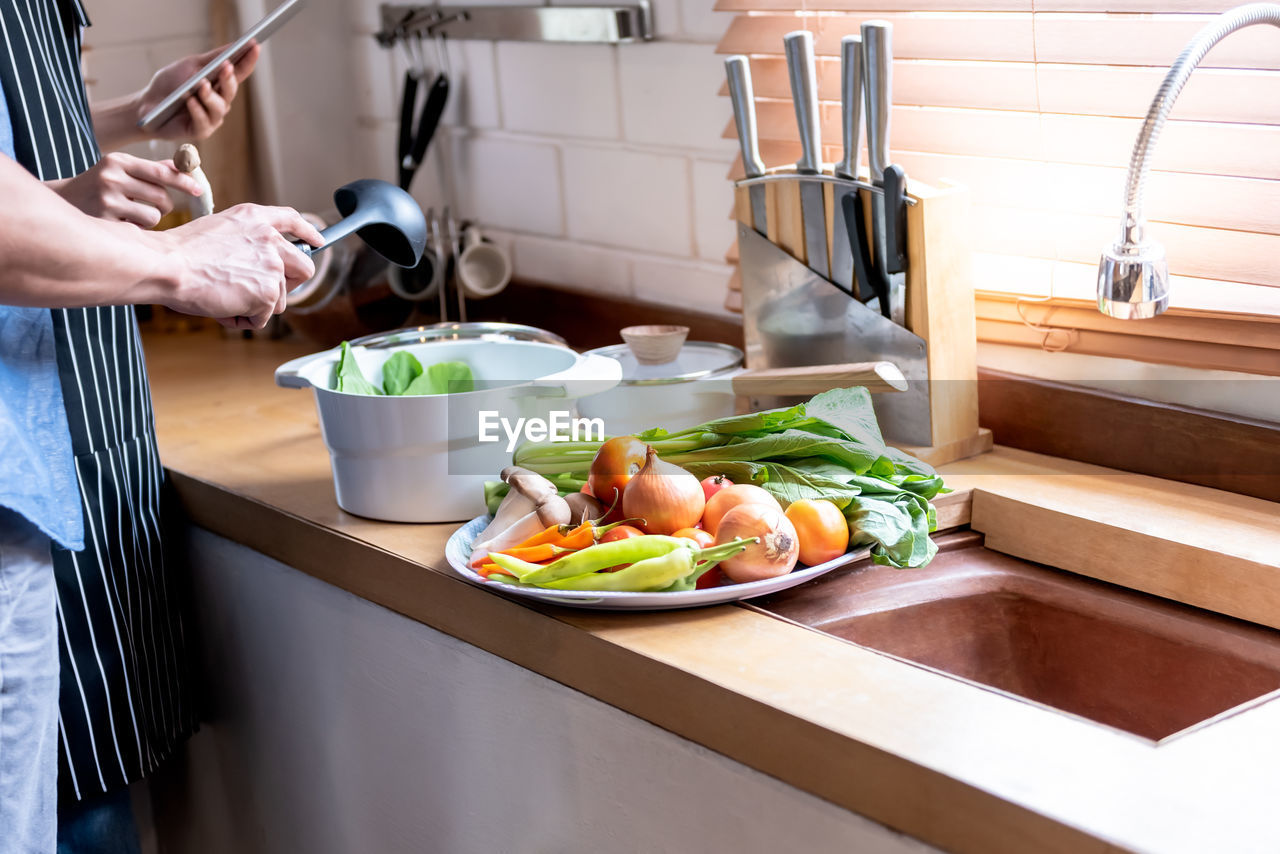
(37, 469)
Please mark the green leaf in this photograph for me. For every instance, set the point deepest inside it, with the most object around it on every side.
(443, 378)
(400, 371)
(850, 410)
(347, 376)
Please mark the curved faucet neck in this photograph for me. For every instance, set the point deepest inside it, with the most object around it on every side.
(1191, 56)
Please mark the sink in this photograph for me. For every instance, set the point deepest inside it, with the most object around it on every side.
(1146, 665)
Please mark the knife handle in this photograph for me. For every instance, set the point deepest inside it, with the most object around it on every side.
(877, 57)
(895, 215)
(738, 70)
(850, 103)
(804, 94)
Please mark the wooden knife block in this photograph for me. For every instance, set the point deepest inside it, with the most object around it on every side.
(939, 300)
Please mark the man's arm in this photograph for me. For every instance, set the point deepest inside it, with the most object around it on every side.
(234, 264)
(115, 122)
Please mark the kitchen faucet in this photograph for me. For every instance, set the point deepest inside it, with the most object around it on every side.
(1133, 275)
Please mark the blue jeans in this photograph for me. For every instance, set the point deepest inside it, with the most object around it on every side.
(28, 690)
(101, 825)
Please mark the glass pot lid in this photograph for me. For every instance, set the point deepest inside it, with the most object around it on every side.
(697, 359)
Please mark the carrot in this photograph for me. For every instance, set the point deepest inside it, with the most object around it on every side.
(536, 554)
(490, 568)
(549, 535)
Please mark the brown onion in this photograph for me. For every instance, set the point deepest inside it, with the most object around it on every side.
(776, 548)
(733, 496)
(664, 496)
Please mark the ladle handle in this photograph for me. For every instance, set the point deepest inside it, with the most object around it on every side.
(331, 235)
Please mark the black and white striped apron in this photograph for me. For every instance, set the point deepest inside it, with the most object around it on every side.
(124, 694)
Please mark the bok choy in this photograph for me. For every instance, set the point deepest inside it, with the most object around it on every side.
(829, 447)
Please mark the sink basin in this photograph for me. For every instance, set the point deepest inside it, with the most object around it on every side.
(1145, 665)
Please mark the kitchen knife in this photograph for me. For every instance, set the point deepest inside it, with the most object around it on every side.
(856, 223)
(895, 257)
(804, 94)
(842, 250)
(738, 70)
(877, 57)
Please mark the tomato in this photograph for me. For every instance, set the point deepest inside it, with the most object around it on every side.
(730, 497)
(699, 536)
(713, 484)
(711, 578)
(586, 489)
(622, 532)
(614, 465)
(821, 528)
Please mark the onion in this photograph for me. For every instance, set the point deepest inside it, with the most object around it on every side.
(773, 554)
(614, 465)
(732, 496)
(665, 496)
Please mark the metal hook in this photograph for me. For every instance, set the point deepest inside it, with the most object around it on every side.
(442, 56)
(421, 54)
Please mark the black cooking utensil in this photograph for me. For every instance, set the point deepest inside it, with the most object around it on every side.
(428, 121)
(385, 216)
(868, 275)
(404, 145)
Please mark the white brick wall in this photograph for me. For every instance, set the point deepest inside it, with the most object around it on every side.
(603, 167)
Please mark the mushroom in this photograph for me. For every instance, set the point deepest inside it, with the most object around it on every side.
(542, 506)
(187, 159)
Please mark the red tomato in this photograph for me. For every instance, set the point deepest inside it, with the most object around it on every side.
(586, 489)
(622, 532)
(713, 484)
(699, 536)
(711, 578)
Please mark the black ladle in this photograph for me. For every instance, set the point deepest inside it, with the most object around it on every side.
(386, 218)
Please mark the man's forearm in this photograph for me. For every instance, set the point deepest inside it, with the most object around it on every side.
(115, 122)
(54, 256)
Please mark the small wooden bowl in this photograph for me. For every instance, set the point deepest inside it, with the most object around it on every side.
(655, 345)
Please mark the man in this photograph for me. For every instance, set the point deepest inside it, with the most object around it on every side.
(78, 463)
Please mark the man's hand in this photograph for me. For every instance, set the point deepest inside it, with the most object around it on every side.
(238, 265)
(208, 107)
(125, 188)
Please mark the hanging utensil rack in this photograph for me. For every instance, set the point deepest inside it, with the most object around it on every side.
(617, 24)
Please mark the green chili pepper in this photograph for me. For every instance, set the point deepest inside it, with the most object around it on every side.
(652, 573)
(677, 569)
(593, 558)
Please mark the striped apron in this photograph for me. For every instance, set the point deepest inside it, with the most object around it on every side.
(124, 692)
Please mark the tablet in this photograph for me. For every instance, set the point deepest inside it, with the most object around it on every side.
(259, 32)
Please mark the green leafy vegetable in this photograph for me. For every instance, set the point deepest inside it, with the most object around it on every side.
(402, 374)
(399, 372)
(443, 378)
(347, 376)
(829, 447)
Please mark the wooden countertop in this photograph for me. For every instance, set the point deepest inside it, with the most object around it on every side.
(964, 768)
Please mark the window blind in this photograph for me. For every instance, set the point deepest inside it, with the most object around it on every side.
(1035, 108)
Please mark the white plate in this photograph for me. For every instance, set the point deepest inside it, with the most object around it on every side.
(458, 553)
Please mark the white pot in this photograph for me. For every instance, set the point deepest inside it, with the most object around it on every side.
(420, 458)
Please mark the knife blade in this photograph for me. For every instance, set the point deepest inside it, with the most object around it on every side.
(804, 94)
(842, 263)
(877, 76)
(742, 96)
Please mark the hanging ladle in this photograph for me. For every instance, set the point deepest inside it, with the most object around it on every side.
(385, 216)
